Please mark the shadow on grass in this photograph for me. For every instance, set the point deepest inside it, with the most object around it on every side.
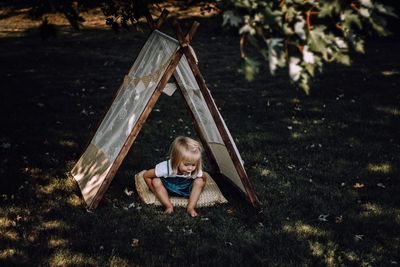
(324, 166)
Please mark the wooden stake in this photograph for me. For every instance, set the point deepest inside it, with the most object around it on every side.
(162, 19)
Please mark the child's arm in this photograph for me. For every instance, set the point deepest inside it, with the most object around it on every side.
(150, 174)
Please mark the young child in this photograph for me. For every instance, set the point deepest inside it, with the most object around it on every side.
(181, 175)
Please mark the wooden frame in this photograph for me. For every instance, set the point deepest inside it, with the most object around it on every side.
(184, 42)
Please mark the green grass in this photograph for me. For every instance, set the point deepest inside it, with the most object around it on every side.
(333, 153)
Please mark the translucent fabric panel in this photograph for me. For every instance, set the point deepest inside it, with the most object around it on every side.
(134, 94)
(202, 114)
(196, 101)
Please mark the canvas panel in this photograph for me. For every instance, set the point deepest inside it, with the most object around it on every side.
(130, 101)
(90, 171)
(226, 165)
(134, 94)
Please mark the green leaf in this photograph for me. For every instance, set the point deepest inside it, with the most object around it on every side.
(317, 39)
(299, 28)
(294, 68)
(344, 59)
(250, 68)
(275, 54)
(231, 18)
(348, 18)
(386, 10)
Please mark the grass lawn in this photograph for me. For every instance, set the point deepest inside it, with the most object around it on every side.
(324, 166)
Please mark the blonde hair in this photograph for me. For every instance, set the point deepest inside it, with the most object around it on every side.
(185, 148)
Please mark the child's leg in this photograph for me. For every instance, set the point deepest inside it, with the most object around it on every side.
(198, 186)
(149, 182)
(162, 194)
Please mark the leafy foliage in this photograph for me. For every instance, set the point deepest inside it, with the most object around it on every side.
(303, 35)
(121, 13)
(300, 36)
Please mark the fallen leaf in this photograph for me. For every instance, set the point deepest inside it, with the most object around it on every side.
(128, 193)
(135, 242)
(230, 211)
(339, 219)
(358, 237)
(323, 217)
(228, 243)
(358, 185)
(381, 185)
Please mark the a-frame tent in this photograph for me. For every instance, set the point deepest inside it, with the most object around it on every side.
(161, 57)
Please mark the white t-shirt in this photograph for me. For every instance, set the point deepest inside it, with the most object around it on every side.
(164, 169)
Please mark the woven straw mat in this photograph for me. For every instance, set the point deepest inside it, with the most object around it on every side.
(210, 196)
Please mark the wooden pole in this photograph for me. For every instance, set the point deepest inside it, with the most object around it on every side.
(156, 25)
(150, 21)
(161, 19)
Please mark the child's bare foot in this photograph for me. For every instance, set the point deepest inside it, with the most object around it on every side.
(169, 210)
(192, 212)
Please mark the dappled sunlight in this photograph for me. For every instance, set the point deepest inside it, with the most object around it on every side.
(200, 10)
(34, 172)
(303, 230)
(328, 252)
(33, 236)
(74, 201)
(390, 72)
(11, 253)
(16, 21)
(57, 242)
(384, 168)
(57, 184)
(54, 225)
(68, 258)
(68, 143)
(395, 111)
(5, 222)
(372, 210)
(11, 235)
